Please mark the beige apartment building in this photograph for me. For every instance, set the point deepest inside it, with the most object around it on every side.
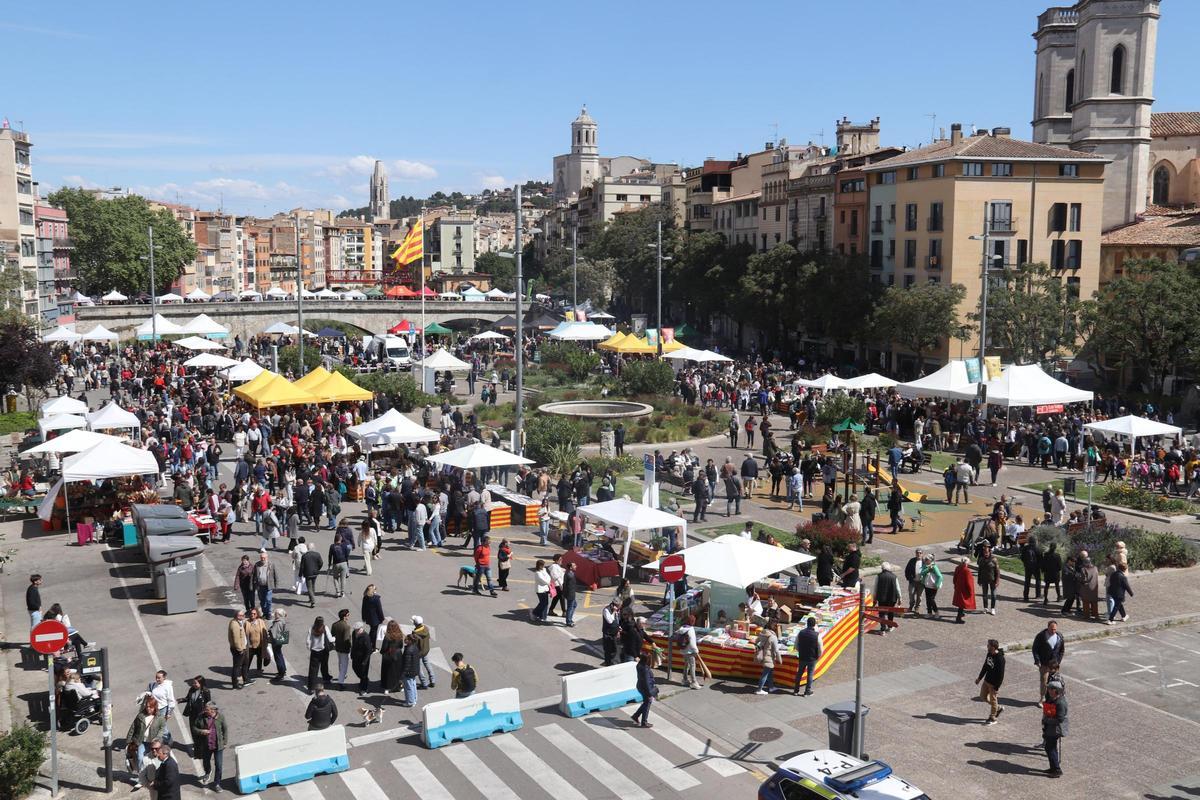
(1039, 203)
(18, 231)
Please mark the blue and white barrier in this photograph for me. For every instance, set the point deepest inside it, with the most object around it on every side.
(474, 717)
(291, 759)
(600, 689)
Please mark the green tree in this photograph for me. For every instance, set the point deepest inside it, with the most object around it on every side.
(647, 377)
(111, 240)
(556, 274)
(26, 362)
(704, 273)
(628, 242)
(772, 291)
(1144, 321)
(289, 359)
(919, 317)
(839, 297)
(503, 270)
(543, 432)
(11, 283)
(580, 363)
(1031, 315)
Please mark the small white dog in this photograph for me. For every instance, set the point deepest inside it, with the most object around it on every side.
(371, 714)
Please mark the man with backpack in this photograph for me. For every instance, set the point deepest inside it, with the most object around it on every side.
(463, 679)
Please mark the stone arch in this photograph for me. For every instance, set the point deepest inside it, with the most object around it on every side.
(1070, 93)
(1116, 75)
(1161, 179)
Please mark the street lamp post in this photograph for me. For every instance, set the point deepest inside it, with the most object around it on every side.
(299, 298)
(153, 292)
(519, 403)
(575, 267)
(658, 283)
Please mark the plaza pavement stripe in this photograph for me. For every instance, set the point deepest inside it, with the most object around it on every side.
(538, 771)
(479, 774)
(422, 781)
(383, 736)
(667, 772)
(693, 746)
(364, 787)
(304, 791)
(604, 773)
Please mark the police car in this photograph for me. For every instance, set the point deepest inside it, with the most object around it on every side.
(829, 775)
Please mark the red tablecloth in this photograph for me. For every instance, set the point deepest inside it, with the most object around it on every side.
(591, 571)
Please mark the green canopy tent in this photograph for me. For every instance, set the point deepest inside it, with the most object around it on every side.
(848, 425)
(434, 327)
(374, 294)
(685, 331)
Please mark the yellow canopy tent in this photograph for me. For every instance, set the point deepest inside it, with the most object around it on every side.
(673, 345)
(338, 388)
(280, 392)
(247, 389)
(611, 342)
(314, 378)
(635, 346)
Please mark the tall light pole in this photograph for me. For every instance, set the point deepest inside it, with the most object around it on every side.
(299, 297)
(519, 404)
(153, 292)
(988, 258)
(575, 267)
(658, 281)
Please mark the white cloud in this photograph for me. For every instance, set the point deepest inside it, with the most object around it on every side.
(493, 181)
(78, 181)
(411, 170)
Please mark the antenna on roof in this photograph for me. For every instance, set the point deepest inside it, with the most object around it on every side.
(774, 126)
(820, 135)
(932, 127)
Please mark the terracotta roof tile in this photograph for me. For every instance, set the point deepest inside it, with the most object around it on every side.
(984, 146)
(1175, 123)
(1171, 230)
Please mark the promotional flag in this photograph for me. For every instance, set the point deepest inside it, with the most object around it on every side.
(991, 365)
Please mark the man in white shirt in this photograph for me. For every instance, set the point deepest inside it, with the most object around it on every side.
(416, 526)
(963, 475)
(556, 572)
(164, 692)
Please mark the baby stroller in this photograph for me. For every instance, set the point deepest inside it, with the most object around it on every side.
(77, 713)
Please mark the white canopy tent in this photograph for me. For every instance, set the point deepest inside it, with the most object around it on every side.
(81, 299)
(450, 296)
(1027, 385)
(63, 404)
(60, 422)
(353, 294)
(112, 416)
(826, 383)
(600, 315)
(70, 442)
(949, 381)
(61, 334)
(477, 456)
(327, 294)
(211, 360)
(1133, 428)
(109, 459)
(871, 381)
(114, 297)
(495, 294)
(204, 325)
(390, 429)
(277, 293)
(249, 294)
(198, 296)
(281, 329)
(442, 359)
(161, 324)
(245, 370)
(735, 561)
(632, 517)
(486, 335)
(100, 334)
(308, 294)
(199, 343)
(171, 297)
(580, 332)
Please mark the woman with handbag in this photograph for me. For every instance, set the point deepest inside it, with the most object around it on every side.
(145, 728)
(279, 635)
(319, 643)
(197, 698)
(931, 580)
(543, 586)
(766, 654)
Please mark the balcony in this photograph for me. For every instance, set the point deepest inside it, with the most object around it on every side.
(1002, 226)
(934, 223)
(63, 244)
(935, 262)
(876, 226)
(819, 214)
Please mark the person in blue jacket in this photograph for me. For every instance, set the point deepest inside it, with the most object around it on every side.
(648, 689)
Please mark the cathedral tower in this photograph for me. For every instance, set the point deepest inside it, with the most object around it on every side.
(379, 193)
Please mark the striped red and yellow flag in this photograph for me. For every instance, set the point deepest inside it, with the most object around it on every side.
(413, 247)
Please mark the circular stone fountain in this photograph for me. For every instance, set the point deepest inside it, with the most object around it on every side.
(597, 409)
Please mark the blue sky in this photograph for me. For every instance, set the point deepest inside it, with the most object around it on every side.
(266, 106)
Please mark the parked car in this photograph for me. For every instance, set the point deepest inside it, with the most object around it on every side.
(830, 775)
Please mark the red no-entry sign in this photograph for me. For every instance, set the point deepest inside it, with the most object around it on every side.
(672, 568)
(48, 637)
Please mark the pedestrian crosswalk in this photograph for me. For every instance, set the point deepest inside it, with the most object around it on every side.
(600, 756)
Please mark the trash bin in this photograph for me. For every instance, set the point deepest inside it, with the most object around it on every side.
(841, 725)
(1069, 486)
(181, 587)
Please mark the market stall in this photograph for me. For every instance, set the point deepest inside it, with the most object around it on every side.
(246, 370)
(1134, 428)
(523, 510)
(113, 417)
(632, 517)
(110, 459)
(721, 571)
(478, 456)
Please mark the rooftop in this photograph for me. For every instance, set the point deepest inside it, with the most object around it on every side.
(1177, 229)
(982, 146)
(1175, 123)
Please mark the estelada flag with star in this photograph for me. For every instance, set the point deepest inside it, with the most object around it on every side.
(413, 246)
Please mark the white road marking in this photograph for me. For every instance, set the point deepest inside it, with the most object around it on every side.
(1141, 668)
(383, 736)
(479, 774)
(694, 747)
(538, 771)
(612, 779)
(538, 702)
(304, 791)
(362, 785)
(667, 772)
(422, 781)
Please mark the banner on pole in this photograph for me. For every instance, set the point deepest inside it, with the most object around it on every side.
(973, 374)
(991, 365)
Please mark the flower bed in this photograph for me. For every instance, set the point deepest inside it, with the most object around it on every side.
(1126, 495)
(1147, 550)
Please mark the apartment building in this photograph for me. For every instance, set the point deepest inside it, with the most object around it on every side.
(1037, 203)
(348, 252)
(53, 263)
(18, 234)
(452, 242)
(786, 163)
(704, 185)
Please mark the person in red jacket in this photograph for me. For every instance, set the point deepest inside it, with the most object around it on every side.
(964, 589)
(483, 565)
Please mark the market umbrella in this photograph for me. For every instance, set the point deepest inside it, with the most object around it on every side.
(211, 360)
(476, 456)
(200, 343)
(488, 335)
(436, 328)
(849, 425)
(734, 561)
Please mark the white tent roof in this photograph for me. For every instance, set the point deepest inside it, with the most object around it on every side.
(308, 293)
(63, 405)
(1133, 427)
(171, 297)
(61, 334)
(488, 335)
(825, 383)
(327, 294)
(689, 354)
(631, 516)
(199, 343)
(165, 327)
(442, 359)
(276, 291)
(353, 294)
(204, 325)
(580, 332)
(114, 297)
(450, 296)
(211, 360)
(249, 293)
(198, 294)
(949, 381)
(872, 381)
(70, 442)
(600, 315)
(1027, 385)
(82, 299)
(61, 422)
(100, 334)
(734, 561)
(477, 455)
(472, 292)
(113, 416)
(109, 459)
(392, 428)
(246, 370)
(281, 328)
(495, 293)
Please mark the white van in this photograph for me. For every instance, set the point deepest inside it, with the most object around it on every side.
(391, 349)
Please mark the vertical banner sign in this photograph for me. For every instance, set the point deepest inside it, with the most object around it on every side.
(638, 323)
(991, 365)
(668, 335)
(652, 337)
(973, 374)
(650, 481)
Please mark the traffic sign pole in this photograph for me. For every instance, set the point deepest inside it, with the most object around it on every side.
(671, 569)
(53, 731)
(48, 638)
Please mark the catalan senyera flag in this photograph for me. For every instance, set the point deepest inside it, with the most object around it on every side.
(413, 246)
